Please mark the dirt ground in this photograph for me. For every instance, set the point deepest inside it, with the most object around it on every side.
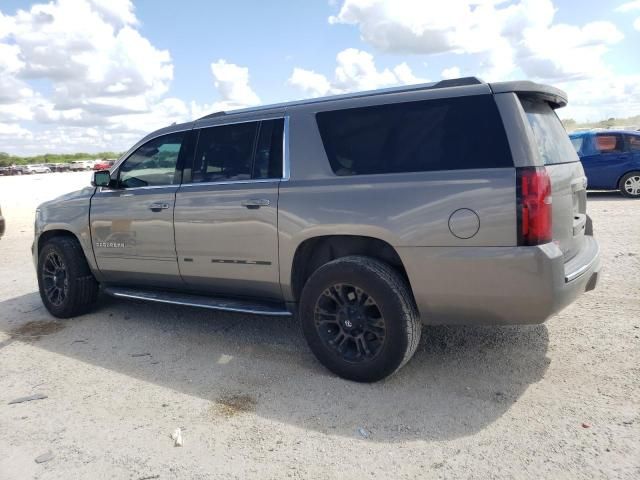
(559, 400)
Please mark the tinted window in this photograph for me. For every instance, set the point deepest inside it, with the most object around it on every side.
(443, 134)
(153, 164)
(550, 136)
(241, 151)
(268, 160)
(225, 152)
(609, 143)
(633, 142)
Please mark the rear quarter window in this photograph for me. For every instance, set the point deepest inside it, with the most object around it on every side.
(551, 138)
(443, 134)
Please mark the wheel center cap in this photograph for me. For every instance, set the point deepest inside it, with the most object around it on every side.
(348, 323)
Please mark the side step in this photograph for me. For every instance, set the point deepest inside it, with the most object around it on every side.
(212, 303)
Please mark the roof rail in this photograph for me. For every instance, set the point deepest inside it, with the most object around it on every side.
(453, 82)
(458, 82)
(213, 115)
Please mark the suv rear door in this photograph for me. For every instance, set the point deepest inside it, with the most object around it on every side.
(227, 210)
(568, 181)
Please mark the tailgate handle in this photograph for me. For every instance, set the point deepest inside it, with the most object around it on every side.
(579, 184)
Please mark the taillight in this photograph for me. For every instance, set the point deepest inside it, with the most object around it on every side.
(534, 206)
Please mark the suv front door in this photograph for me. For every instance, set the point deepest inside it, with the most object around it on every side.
(132, 223)
(227, 210)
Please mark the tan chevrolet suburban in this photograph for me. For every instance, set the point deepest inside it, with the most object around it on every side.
(459, 202)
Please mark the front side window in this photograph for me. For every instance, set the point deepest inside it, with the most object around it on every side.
(633, 142)
(609, 143)
(153, 164)
(440, 134)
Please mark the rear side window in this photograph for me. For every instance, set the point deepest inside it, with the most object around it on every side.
(550, 136)
(609, 143)
(225, 153)
(443, 134)
(268, 158)
(241, 151)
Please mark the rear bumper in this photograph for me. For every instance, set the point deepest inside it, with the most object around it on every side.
(497, 285)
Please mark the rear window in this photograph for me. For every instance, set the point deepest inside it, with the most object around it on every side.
(550, 136)
(443, 134)
(577, 143)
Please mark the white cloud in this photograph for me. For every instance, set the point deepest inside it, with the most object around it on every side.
(604, 97)
(14, 130)
(630, 7)
(452, 72)
(232, 82)
(507, 40)
(506, 36)
(100, 82)
(312, 83)
(355, 71)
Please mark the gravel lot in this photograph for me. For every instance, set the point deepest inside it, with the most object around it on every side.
(559, 400)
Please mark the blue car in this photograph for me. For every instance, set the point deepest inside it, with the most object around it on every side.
(611, 159)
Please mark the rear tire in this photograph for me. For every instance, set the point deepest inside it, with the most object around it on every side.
(67, 286)
(629, 185)
(359, 318)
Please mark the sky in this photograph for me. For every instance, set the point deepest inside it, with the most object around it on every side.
(97, 75)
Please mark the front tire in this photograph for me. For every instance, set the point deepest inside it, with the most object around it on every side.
(67, 286)
(630, 185)
(359, 318)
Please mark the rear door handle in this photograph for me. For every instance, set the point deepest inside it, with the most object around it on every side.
(156, 207)
(256, 203)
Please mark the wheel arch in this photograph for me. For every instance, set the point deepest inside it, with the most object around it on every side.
(316, 251)
(62, 230)
(633, 170)
(57, 232)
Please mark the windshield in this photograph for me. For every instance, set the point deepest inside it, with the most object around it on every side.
(551, 138)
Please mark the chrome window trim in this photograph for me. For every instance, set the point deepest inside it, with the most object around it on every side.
(285, 154)
(286, 162)
(233, 182)
(141, 142)
(150, 187)
(286, 165)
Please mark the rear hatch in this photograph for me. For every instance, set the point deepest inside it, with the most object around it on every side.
(568, 181)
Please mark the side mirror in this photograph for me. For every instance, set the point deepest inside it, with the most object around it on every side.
(101, 178)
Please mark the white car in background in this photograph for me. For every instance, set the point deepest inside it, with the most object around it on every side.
(29, 169)
(79, 165)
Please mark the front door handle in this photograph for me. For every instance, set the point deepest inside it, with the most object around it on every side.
(156, 207)
(256, 203)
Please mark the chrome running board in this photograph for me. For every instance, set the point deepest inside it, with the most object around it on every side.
(189, 300)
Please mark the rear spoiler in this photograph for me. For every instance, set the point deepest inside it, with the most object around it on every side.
(524, 88)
